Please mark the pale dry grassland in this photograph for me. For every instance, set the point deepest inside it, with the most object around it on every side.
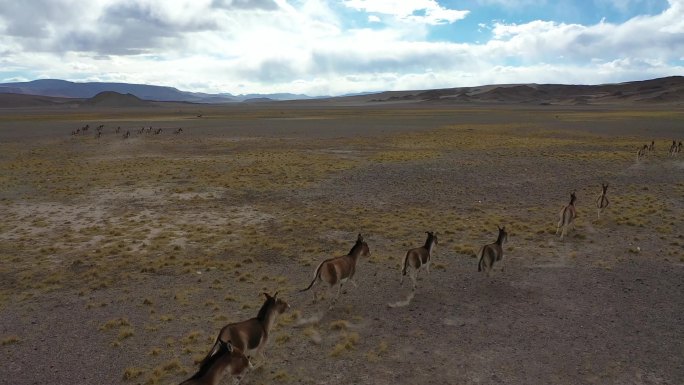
(121, 259)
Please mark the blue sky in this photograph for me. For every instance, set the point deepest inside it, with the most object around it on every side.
(585, 12)
(321, 47)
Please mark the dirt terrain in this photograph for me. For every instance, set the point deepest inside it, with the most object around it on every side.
(121, 259)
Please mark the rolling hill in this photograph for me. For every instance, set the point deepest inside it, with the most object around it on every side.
(661, 90)
(668, 90)
(67, 89)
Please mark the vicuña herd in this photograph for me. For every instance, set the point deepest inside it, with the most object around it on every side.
(642, 151)
(236, 342)
(142, 130)
(674, 150)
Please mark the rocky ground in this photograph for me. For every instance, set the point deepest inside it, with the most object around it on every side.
(120, 259)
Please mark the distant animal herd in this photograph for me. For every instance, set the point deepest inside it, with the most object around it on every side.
(675, 148)
(142, 130)
(237, 342)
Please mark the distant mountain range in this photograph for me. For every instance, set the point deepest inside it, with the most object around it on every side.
(66, 89)
(662, 90)
(668, 90)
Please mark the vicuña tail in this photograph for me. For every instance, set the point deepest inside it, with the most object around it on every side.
(403, 271)
(479, 263)
(316, 274)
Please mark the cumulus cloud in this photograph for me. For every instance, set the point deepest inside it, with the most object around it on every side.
(102, 26)
(245, 4)
(306, 47)
(659, 36)
(512, 3)
(36, 20)
(422, 11)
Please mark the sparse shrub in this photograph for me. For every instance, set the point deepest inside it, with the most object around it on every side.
(119, 322)
(131, 373)
(283, 338)
(10, 340)
(339, 325)
(346, 343)
(125, 333)
(281, 376)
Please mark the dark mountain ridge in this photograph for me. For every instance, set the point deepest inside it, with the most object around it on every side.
(667, 90)
(660, 90)
(66, 89)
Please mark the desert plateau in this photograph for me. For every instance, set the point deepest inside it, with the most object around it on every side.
(122, 256)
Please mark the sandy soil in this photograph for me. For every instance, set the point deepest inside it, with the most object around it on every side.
(120, 260)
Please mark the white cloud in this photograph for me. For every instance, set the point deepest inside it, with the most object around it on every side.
(657, 37)
(304, 47)
(422, 11)
(512, 3)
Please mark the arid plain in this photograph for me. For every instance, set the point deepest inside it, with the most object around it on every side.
(121, 259)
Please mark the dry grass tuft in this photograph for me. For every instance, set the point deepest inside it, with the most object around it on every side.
(346, 343)
(115, 323)
(339, 325)
(289, 318)
(132, 373)
(313, 334)
(281, 376)
(9, 340)
(125, 333)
